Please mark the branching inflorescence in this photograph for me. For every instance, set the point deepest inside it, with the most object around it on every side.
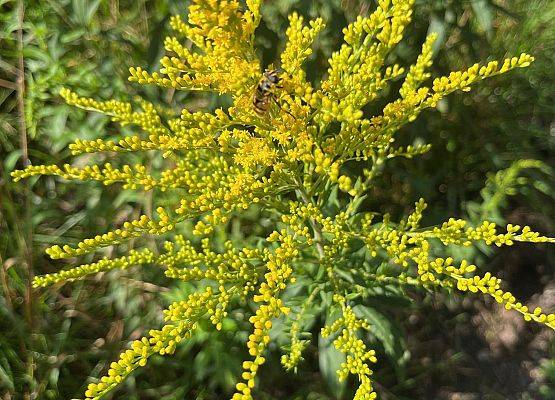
(290, 162)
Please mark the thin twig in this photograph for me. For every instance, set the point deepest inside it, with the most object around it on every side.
(21, 87)
(23, 143)
(8, 84)
(318, 237)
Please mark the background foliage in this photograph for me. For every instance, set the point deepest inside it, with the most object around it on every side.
(492, 158)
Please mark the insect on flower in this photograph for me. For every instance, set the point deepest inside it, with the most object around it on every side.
(264, 93)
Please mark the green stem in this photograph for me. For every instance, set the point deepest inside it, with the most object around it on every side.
(318, 237)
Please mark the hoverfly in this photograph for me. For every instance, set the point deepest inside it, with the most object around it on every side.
(264, 93)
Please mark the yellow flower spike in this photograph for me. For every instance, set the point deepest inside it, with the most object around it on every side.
(347, 342)
(133, 177)
(160, 341)
(490, 285)
(297, 49)
(148, 119)
(106, 264)
(417, 72)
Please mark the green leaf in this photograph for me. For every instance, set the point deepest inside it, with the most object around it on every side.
(332, 204)
(10, 160)
(388, 333)
(84, 10)
(438, 26)
(355, 204)
(387, 297)
(330, 360)
(483, 14)
(73, 35)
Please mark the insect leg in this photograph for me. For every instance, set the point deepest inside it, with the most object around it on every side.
(275, 100)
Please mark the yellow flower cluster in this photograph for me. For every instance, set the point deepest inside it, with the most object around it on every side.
(160, 341)
(148, 119)
(299, 40)
(292, 359)
(455, 231)
(164, 341)
(418, 71)
(135, 257)
(255, 152)
(406, 246)
(238, 267)
(225, 62)
(133, 176)
(461, 80)
(491, 285)
(354, 348)
(277, 276)
(129, 230)
(377, 134)
(290, 161)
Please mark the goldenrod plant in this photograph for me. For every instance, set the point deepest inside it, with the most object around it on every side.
(303, 153)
